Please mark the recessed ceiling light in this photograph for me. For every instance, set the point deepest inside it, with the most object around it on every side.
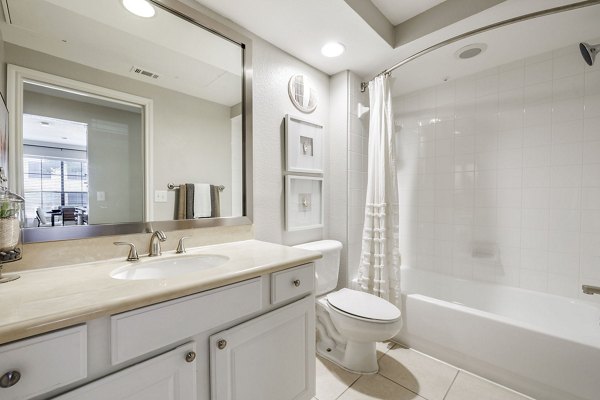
(141, 8)
(332, 49)
(470, 51)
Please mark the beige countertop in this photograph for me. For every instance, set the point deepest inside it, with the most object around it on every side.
(53, 298)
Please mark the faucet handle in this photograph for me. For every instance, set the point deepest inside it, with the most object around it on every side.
(181, 245)
(133, 254)
(160, 235)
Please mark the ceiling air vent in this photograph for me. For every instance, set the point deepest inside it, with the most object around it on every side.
(144, 72)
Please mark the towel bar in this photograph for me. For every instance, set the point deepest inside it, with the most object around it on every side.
(172, 186)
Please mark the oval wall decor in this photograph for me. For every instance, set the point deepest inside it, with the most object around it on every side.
(302, 94)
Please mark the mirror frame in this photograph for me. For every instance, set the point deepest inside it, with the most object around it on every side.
(191, 15)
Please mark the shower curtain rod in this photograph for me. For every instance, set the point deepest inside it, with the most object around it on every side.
(510, 21)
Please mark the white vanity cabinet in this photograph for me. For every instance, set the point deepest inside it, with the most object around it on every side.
(270, 357)
(249, 340)
(170, 376)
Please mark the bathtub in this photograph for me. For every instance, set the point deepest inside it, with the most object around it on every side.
(542, 345)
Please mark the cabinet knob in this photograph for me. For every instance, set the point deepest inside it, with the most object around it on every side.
(221, 344)
(190, 356)
(9, 379)
(296, 282)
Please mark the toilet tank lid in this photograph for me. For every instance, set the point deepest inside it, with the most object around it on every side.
(321, 245)
(364, 305)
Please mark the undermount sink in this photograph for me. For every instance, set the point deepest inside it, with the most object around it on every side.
(161, 268)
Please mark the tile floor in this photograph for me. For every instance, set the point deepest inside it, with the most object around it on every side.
(406, 374)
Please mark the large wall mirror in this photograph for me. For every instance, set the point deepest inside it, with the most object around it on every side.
(119, 121)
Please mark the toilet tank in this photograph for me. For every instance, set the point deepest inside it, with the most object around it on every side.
(328, 267)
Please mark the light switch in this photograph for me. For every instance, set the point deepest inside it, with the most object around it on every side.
(100, 196)
(160, 196)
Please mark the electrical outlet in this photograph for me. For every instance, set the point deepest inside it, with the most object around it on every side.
(100, 196)
(160, 196)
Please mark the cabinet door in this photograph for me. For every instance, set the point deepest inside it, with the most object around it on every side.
(166, 377)
(271, 357)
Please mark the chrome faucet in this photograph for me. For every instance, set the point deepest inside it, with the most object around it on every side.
(157, 237)
(133, 254)
(587, 289)
(181, 245)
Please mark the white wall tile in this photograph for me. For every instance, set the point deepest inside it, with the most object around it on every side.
(567, 65)
(565, 176)
(570, 87)
(512, 162)
(591, 152)
(536, 197)
(538, 72)
(535, 218)
(538, 93)
(591, 129)
(592, 106)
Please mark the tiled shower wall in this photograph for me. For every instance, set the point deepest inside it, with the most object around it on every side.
(358, 136)
(500, 175)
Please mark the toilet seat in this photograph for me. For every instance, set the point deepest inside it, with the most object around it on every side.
(363, 306)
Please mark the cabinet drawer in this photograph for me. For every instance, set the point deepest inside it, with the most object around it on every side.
(140, 331)
(292, 282)
(45, 362)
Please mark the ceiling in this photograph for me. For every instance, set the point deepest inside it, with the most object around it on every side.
(308, 24)
(398, 11)
(54, 132)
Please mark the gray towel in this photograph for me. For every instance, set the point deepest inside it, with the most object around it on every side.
(189, 201)
(215, 201)
(181, 203)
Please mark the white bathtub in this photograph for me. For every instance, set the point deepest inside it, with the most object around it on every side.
(542, 345)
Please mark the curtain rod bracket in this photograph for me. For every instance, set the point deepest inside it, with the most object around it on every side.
(364, 86)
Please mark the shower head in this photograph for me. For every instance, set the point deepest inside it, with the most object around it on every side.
(588, 52)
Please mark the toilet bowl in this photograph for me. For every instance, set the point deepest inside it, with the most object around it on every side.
(349, 322)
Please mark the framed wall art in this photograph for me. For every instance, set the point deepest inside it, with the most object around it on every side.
(303, 145)
(303, 202)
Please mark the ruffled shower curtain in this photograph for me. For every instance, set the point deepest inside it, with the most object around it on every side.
(379, 270)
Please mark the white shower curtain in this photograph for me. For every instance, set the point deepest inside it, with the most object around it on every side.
(379, 270)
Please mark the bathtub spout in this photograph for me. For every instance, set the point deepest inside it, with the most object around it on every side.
(587, 289)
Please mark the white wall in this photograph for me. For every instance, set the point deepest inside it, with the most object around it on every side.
(272, 71)
(500, 175)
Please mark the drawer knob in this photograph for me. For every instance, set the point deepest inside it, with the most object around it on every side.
(221, 344)
(296, 282)
(190, 356)
(9, 379)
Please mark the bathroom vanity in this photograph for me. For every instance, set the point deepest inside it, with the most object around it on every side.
(243, 329)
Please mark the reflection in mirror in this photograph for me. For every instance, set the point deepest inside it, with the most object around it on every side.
(113, 108)
(74, 145)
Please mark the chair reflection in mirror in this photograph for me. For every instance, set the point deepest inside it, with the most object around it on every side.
(40, 218)
(197, 200)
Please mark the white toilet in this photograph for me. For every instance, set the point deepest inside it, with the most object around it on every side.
(349, 322)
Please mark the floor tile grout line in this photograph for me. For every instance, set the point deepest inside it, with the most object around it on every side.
(452, 384)
(402, 386)
(349, 386)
